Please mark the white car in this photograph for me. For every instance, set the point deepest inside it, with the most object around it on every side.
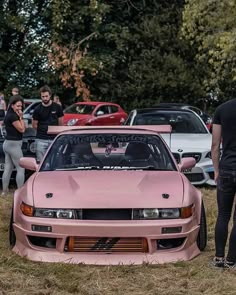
(30, 104)
(189, 138)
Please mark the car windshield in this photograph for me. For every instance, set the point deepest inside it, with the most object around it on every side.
(108, 152)
(181, 122)
(80, 109)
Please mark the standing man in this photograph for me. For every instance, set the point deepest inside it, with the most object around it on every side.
(224, 128)
(47, 113)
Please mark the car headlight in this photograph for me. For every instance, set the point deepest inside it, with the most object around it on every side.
(54, 213)
(72, 122)
(208, 155)
(169, 213)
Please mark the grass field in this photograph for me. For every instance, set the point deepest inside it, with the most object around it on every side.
(19, 276)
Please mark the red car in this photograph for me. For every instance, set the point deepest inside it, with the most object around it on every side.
(94, 113)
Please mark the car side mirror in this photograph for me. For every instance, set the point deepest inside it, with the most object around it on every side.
(29, 163)
(99, 113)
(187, 163)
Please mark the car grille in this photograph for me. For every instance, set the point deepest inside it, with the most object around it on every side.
(111, 245)
(106, 214)
(195, 177)
(196, 156)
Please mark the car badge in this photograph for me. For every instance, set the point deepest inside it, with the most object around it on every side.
(180, 150)
(165, 196)
(49, 195)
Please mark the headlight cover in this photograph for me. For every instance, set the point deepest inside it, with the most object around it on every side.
(54, 213)
(208, 155)
(72, 122)
(169, 213)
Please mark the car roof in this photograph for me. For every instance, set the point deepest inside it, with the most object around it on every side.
(31, 99)
(160, 109)
(95, 103)
(116, 129)
(177, 104)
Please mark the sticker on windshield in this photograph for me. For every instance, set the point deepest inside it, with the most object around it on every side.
(109, 149)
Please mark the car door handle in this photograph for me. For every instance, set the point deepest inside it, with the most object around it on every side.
(112, 117)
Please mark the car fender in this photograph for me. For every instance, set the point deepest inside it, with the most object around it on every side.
(192, 195)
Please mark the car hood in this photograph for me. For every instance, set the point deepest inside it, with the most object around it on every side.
(188, 142)
(108, 189)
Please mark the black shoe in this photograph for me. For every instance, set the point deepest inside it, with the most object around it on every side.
(230, 265)
(218, 262)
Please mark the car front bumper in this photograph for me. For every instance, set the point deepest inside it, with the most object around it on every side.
(151, 231)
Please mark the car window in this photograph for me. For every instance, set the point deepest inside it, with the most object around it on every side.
(102, 110)
(108, 152)
(83, 109)
(181, 122)
(113, 109)
(31, 107)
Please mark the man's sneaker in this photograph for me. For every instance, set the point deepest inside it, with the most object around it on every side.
(218, 262)
(230, 265)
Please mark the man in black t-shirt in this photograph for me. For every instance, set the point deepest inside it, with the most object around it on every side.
(47, 113)
(224, 130)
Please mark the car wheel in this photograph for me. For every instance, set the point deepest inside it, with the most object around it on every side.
(12, 236)
(202, 235)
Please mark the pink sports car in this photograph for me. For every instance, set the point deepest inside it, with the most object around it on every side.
(108, 195)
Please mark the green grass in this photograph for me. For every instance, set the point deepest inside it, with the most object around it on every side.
(20, 276)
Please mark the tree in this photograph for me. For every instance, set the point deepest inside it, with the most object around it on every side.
(24, 33)
(127, 51)
(210, 26)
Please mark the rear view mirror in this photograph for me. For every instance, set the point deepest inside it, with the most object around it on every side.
(187, 163)
(28, 163)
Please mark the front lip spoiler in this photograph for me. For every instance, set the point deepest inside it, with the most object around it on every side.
(185, 252)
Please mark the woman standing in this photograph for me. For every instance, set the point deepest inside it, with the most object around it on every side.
(15, 127)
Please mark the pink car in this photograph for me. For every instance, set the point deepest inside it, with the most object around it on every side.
(108, 195)
(94, 113)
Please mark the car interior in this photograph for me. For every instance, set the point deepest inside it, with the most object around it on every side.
(108, 156)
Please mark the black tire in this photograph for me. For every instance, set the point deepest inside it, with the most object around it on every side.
(202, 235)
(12, 236)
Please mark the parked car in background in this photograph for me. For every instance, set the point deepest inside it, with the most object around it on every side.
(29, 101)
(139, 209)
(189, 137)
(30, 105)
(94, 113)
(207, 119)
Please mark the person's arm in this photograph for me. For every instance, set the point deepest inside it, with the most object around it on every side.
(35, 124)
(35, 118)
(60, 121)
(19, 125)
(215, 148)
(60, 115)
